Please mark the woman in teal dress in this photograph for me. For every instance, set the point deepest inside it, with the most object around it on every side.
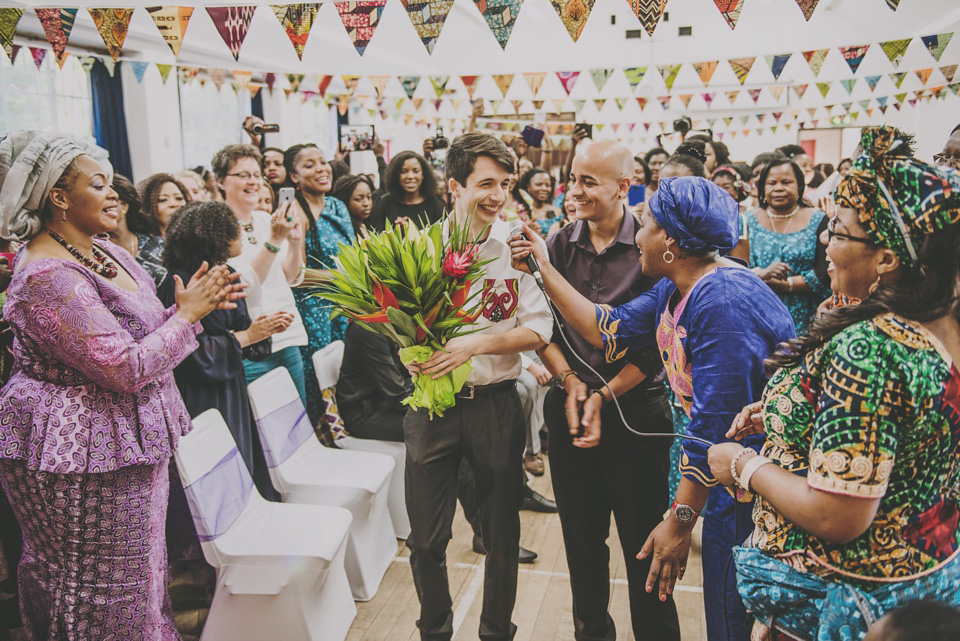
(327, 223)
(784, 235)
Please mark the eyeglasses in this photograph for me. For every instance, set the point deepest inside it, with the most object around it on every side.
(833, 233)
(246, 175)
(952, 161)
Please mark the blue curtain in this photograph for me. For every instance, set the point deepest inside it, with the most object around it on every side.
(109, 121)
(256, 105)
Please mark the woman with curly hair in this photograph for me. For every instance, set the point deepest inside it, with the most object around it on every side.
(128, 200)
(160, 196)
(212, 377)
(411, 193)
(356, 192)
(534, 197)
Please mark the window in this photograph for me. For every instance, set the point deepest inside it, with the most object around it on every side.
(50, 98)
(210, 120)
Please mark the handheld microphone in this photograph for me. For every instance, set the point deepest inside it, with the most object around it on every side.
(530, 260)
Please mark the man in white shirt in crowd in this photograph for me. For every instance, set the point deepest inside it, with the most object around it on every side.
(487, 425)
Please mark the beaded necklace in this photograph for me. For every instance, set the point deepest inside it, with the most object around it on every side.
(100, 263)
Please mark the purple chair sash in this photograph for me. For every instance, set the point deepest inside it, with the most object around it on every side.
(217, 498)
(283, 431)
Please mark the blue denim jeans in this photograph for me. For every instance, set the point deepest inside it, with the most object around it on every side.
(288, 357)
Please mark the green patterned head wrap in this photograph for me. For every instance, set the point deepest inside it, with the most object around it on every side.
(898, 199)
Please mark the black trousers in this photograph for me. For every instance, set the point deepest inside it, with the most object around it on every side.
(625, 475)
(487, 431)
(373, 421)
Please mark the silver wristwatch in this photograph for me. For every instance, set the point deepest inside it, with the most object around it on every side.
(684, 513)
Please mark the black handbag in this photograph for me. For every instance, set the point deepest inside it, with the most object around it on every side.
(259, 351)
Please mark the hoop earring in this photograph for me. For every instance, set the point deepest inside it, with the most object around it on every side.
(665, 259)
(874, 287)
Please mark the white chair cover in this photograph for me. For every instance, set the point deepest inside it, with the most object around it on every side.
(280, 568)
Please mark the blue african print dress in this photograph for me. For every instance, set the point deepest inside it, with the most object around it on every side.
(323, 239)
(796, 249)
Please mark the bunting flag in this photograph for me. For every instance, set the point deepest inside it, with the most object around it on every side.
(848, 84)
(516, 105)
(924, 75)
(409, 84)
(621, 103)
(578, 105)
(948, 72)
(428, 17)
(186, 75)
(14, 50)
(419, 101)
(568, 79)
(807, 7)
(777, 62)
(685, 99)
(936, 44)
(9, 17)
(854, 54)
(895, 50)
(776, 91)
(708, 98)
(800, 90)
(730, 10)
(470, 84)
(824, 88)
(360, 18)
(112, 25)
(500, 16)
(634, 75)
(164, 71)
(535, 81)
(253, 89)
(705, 70)
(440, 85)
(241, 79)
(296, 20)
(897, 78)
(86, 63)
(350, 83)
(379, 84)
(57, 25)
(732, 95)
(642, 102)
(172, 22)
(864, 104)
(217, 77)
(294, 79)
(815, 59)
(558, 105)
(322, 83)
(573, 14)
(503, 80)
(872, 81)
(664, 101)
(754, 94)
(538, 104)
(893, 4)
(648, 12)
(600, 77)
(669, 74)
(599, 103)
(139, 69)
(232, 24)
(741, 67)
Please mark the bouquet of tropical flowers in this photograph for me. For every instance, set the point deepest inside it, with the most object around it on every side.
(414, 287)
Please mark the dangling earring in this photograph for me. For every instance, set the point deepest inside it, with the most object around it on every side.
(668, 260)
(63, 218)
(874, 287)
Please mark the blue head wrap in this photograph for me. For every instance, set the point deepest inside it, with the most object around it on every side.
(698, 214)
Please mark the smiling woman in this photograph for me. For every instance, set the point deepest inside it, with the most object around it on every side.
(411, 193)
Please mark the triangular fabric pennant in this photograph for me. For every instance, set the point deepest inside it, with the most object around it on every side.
(705, 70)
(503, 80)
(500, 15)
(407, 119)
(848, 84)
(708, 98)
(853, 55)
(642, 102)
(379, 84)
(621, 103)
(815, 59)
(895, 50)
(807, 7)
(777, 62)
(948, 72)
(864, 104)
(730, 10)
(409, 84)
(648, 12)
(538, 104)
(164, 71)
(294, 79)
(754, 94)
(186, 75)
(955, 88)
(872, 81)
(297, 20)
(936, 44)
(440, 85)
(86, 63)
(516, 105)
(496, 105)
(733, 95)
(350, 83)
(578, 105)
(744, 119)
(599, 103)
(664, 101)
(669, 74)
(897, 78)
(470, 84)
(923, 75)
(900, 97)
(824, 88)
(568, 79)
(270, 79)
(57, 25)
(139, 69)
(535, 81)
(9, 17)
(361, 19)
(727, 120)
(428, 17)
(634, 75)
(232, 24)
(112, 25)
(893, 4)
(776, 91)
(217, 77)
(600, 77)
(741, 67)
(253, 89)
(110, 64)
(558, 105)
(800, 90)
(416, 102)
(685, 98)
(172, 22)
(573, 14)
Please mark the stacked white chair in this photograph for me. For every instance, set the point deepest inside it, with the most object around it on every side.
(304, 471)
(327, 362)
(280, 568)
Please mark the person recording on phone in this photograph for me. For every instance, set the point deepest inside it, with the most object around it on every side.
(621, 473)
(714, 322)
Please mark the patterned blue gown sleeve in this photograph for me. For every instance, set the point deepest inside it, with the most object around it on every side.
(633, 325)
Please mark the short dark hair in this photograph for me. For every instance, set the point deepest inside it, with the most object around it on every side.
(263, 153)
(780, 162)
(643, 165)
(656, 151)
(465, 150)
(224, 159)
(338, 168)
(923, 620)
(792, 151)
(842, 161)
(199, 232)
(391, 177)
(144, 220)
(764, 158)
(721, 151)
(127, 193)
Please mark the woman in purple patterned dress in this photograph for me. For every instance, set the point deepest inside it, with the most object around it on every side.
(91, 415)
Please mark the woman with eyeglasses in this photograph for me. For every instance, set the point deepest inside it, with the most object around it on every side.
(949, 158)
(857, 484)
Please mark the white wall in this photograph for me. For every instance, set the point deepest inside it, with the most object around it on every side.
(152, 111)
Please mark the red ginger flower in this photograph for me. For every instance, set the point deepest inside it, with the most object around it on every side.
(457, 265)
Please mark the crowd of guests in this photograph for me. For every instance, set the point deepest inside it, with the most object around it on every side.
(801, 321)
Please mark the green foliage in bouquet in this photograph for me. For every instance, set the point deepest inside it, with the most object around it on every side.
(412, 286)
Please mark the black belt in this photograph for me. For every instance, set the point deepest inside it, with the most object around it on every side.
(473, 391)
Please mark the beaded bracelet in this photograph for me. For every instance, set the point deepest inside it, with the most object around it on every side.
(733, 464)
(273, 249)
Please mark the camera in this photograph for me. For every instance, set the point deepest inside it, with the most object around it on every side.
(440, 146)
(682, 125)
(259, 129)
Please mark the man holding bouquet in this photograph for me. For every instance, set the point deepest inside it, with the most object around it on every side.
(487, 423)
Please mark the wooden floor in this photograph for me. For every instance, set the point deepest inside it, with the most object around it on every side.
(543, 605)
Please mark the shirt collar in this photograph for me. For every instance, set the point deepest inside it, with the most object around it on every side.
(626, 235)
